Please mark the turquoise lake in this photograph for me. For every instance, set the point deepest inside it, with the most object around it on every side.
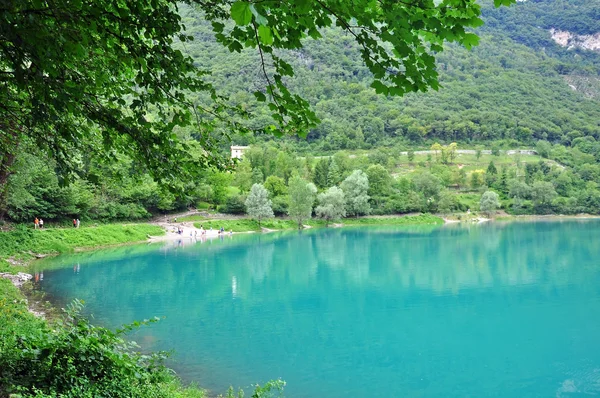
(509, 310)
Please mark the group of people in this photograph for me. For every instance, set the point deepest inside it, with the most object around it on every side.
(179, 230)
(220, 232)
(38, 223)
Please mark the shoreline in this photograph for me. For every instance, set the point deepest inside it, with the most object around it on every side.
(21, 278)
(37, 304)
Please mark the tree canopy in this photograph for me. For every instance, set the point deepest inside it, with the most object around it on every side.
(103, 76)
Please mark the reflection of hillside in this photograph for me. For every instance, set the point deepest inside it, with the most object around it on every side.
(443, 260)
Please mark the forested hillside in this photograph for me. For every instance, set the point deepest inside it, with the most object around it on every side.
(517, 89)
(514, 85)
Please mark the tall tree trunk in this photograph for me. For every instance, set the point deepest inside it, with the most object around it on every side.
(6, 163)
(9, 142)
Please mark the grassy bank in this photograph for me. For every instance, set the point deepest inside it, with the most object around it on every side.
(421, 219)
(22, 243)
(72, 357)
(248, 225)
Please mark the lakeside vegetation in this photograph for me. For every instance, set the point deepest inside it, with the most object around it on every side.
(70, 357)
(249, 225)
(102, 126)
(24, 242)
(73, 358)
(507, 74)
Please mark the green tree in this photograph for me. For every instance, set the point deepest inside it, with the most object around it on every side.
(258, 204)
(489, 202)
(543, 148)
(99, 76)
(334, 176)
(321, 173)
(356, 188)
(219, 182)
(257, 176)
(563, 183)
(447, 202)
(476, 179)
(301, 199)
(379, 180)
(491, 174)
(502, 181)
(427, 184)
(275, 186)
(411, 156)
(460, 177)
(451, 149)
(332, 205)
(437, 150)
(285, 164)
(519, 191)
(243, 176)
(542, 194)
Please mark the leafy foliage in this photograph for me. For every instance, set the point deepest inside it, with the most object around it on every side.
(77, 359)
(301, 199)
(332, 204)
(258, 204)
(356, 187)
(489, 202)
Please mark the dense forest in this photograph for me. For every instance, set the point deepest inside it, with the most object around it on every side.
(516, 89)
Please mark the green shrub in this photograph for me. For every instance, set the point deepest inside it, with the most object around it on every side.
(234, 205)
(280, 205)
(77, 359)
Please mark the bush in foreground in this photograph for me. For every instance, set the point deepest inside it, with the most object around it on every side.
(76, 359)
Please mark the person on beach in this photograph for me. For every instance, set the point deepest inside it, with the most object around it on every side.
(41, 224)
(230, 232)
(78, 222)
(74, 223)
(36, 223)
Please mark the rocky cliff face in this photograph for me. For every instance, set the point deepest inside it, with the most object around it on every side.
(570, 40)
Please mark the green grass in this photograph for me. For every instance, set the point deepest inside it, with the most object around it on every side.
(23, 242)
(13, 311)
(469, 200)
(470, 163)
(248, 225)
(421, 219)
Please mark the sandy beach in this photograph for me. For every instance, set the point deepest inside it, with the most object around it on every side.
(189, 232)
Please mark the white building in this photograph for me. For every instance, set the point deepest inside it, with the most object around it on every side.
(238, 151)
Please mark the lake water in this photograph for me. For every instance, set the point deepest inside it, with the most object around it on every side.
(510, 310)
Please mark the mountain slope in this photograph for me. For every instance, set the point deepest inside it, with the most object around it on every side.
(518, 84)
